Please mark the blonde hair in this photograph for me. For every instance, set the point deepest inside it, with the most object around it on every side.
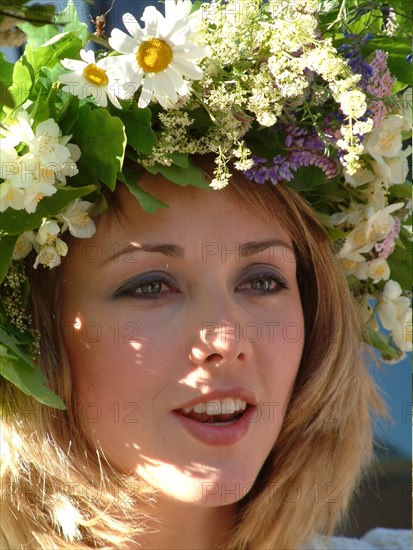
(57, 488)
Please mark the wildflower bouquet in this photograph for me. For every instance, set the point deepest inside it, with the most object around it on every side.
(314, 95)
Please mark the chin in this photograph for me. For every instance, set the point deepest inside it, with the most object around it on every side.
(199, 484)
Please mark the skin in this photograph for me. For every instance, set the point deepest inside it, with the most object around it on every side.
(134, 360)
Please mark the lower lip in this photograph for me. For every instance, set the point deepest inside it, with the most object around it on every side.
(217, 436)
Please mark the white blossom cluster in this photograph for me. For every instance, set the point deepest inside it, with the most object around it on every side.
(375, 226)
(33, 162)
(46, 242)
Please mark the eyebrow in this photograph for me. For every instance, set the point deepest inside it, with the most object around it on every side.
(176, 251)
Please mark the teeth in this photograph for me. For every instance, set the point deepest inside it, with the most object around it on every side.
(229, 405)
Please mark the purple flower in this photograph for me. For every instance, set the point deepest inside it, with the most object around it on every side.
(355, 59)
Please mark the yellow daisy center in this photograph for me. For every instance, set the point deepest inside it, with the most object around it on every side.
(154, 55)
(95, 75)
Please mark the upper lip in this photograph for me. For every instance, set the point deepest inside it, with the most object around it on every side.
(237, 392)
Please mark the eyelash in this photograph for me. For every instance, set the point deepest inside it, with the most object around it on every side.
(130, 288)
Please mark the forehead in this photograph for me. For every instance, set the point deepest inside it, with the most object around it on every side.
(191, 212)
(195, 219)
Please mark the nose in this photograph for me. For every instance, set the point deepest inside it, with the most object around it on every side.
(220, 344)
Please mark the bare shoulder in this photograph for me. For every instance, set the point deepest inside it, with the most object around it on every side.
(376, 539)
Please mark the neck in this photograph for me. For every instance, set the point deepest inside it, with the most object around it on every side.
(181, 526)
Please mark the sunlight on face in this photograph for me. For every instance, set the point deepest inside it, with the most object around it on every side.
(187, 338)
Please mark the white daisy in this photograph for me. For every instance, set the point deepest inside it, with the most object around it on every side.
(90, 78)
(159, 56)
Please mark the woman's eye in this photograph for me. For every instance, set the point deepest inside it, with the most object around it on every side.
(150, 288)
(264, 284)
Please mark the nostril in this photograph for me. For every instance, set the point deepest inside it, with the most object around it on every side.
(214, 358)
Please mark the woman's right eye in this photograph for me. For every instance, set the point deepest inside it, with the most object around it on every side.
(148, 288)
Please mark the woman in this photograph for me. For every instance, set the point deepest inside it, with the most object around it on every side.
(209, 356)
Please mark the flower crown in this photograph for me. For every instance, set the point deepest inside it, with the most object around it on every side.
(308, 94)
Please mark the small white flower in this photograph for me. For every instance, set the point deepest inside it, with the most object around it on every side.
(46, 145)
(47, 232)
(32, 176)
(393, 170)
(357, 267)
(361, 177)
(395, 314)
(11, 196)
(76, 218)
(386, 140)
(157, 57)
(50, 255)
(24, 245)
(90, 78)
(378, 270)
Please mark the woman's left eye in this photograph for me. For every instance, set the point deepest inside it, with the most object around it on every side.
(147, 288)
(264, 284)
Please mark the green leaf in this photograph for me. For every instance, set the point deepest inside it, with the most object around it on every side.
(382, 343)
(371, 21)
(68, 112)
(6, 78)
(69, 18)
(7, 243)
(103, 161)
(26, 376)
(27, 69)
(400, 263)
(38, 35)
(180, 159)
(16, 222)
(403, 190)
(182, 176)
(138, 127)
(148, 202)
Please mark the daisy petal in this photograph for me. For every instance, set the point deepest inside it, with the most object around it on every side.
(73, 64)
(175, 77)
(70, 78)
(186, 68)
(153, 19)
(122, 42)
(177, 10)
(189, 51)
(133, 27)
(147, 91)
(89, 56)
(164, 88)
(113, 98)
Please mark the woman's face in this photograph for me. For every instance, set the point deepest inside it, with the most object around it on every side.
(184, 331)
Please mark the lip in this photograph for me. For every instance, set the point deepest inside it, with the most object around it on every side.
(217, 436)
(235, 391)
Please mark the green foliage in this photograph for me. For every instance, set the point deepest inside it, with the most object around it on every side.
(382, 343)
(148, 202)
(400, 262)
(18, 368)
(103, 161)
(6, 78)
(7, 243)
(27, 69)
(403, 191)
(70, 22)
(190, 175)
(138, 126)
